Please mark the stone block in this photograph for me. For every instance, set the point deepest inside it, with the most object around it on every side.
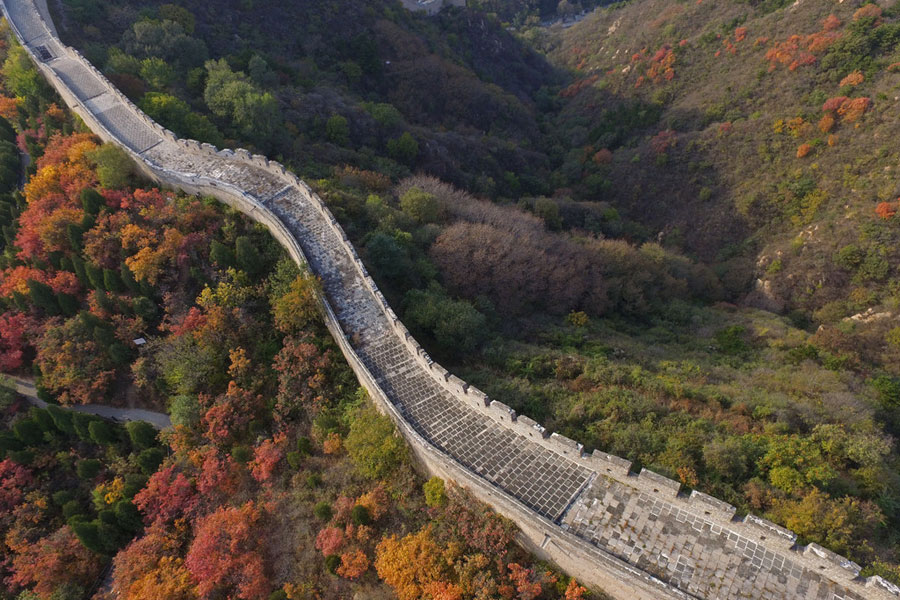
(658, 484)
(609, 464)
(764, 530)
(711, 507)
(479, 398)
(457, 385)
(880, 586)
(530, 428)
(502, 413)
(442, 373)
(833, 566)
(565, 446)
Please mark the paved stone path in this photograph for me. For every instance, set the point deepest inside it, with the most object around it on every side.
(26, 388)
(638, 520)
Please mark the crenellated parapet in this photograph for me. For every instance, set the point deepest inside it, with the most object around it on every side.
(639, 535)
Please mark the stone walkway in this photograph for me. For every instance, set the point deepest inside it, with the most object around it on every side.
(670, 537)
(26, 388)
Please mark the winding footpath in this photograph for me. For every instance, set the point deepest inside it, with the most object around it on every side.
(634, 535)
(25, 387)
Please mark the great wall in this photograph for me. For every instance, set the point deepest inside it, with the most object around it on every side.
(635, 535)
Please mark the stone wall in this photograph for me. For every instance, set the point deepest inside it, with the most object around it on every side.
(633, 534)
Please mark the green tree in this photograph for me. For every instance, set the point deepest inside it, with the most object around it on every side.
(28, 432)
(435, 494)
(404, 149)
(102, 433)
(88, 468)
(157, 72)
(141, 433)
(221, 255)
(43, 297)
(114, 166)
(232, 95)
(372, 445)
(420, 205)
(184, 410)
(247, 256)
(21, 77)
(337, 130)
(150, 459)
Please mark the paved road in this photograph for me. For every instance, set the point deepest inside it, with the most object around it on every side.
(26, 388)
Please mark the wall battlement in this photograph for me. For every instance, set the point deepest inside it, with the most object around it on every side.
(637, 535)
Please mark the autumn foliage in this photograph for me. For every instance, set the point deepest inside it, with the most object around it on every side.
(226, 556)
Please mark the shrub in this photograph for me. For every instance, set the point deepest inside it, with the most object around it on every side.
(150, 459)
(88, 468)
(102, 433)
(141, 433)
(372, 445)
(304, 446)
(323, 511)
(332, 562)
(360, 515)
(435, 493)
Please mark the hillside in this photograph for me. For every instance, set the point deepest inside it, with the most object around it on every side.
(278, 479)
(668, 231)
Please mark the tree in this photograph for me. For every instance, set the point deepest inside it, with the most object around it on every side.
(409, 564)
(150, 459)
(170, 580)
(372, 444)
(14, 482)
(54, 561)
(299, 308)
(88, 468)
(420, 205)
(114, 166)
(102, 433)
(169, 495)
(303, 374)
(141, 433)
(157, 72)
(76, 367)
(435, 494)
(248, 256)
(337, 130)
(21, 77)
(404, 149)
(221, 255)
(232, 95)
(28, 432)
(353, 564)
(265, 459)
(226, 555)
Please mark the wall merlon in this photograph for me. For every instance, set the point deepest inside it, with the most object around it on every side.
(565, 446)
(441, 372)
(766, 530)
(502, 412)
(530, 428)
(610, 464)
(884, 588)
(457, 385)
(478, 396)
(651, 481)
(712, 507)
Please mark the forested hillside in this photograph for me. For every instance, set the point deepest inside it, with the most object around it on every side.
(669, 231)
(278, 479)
